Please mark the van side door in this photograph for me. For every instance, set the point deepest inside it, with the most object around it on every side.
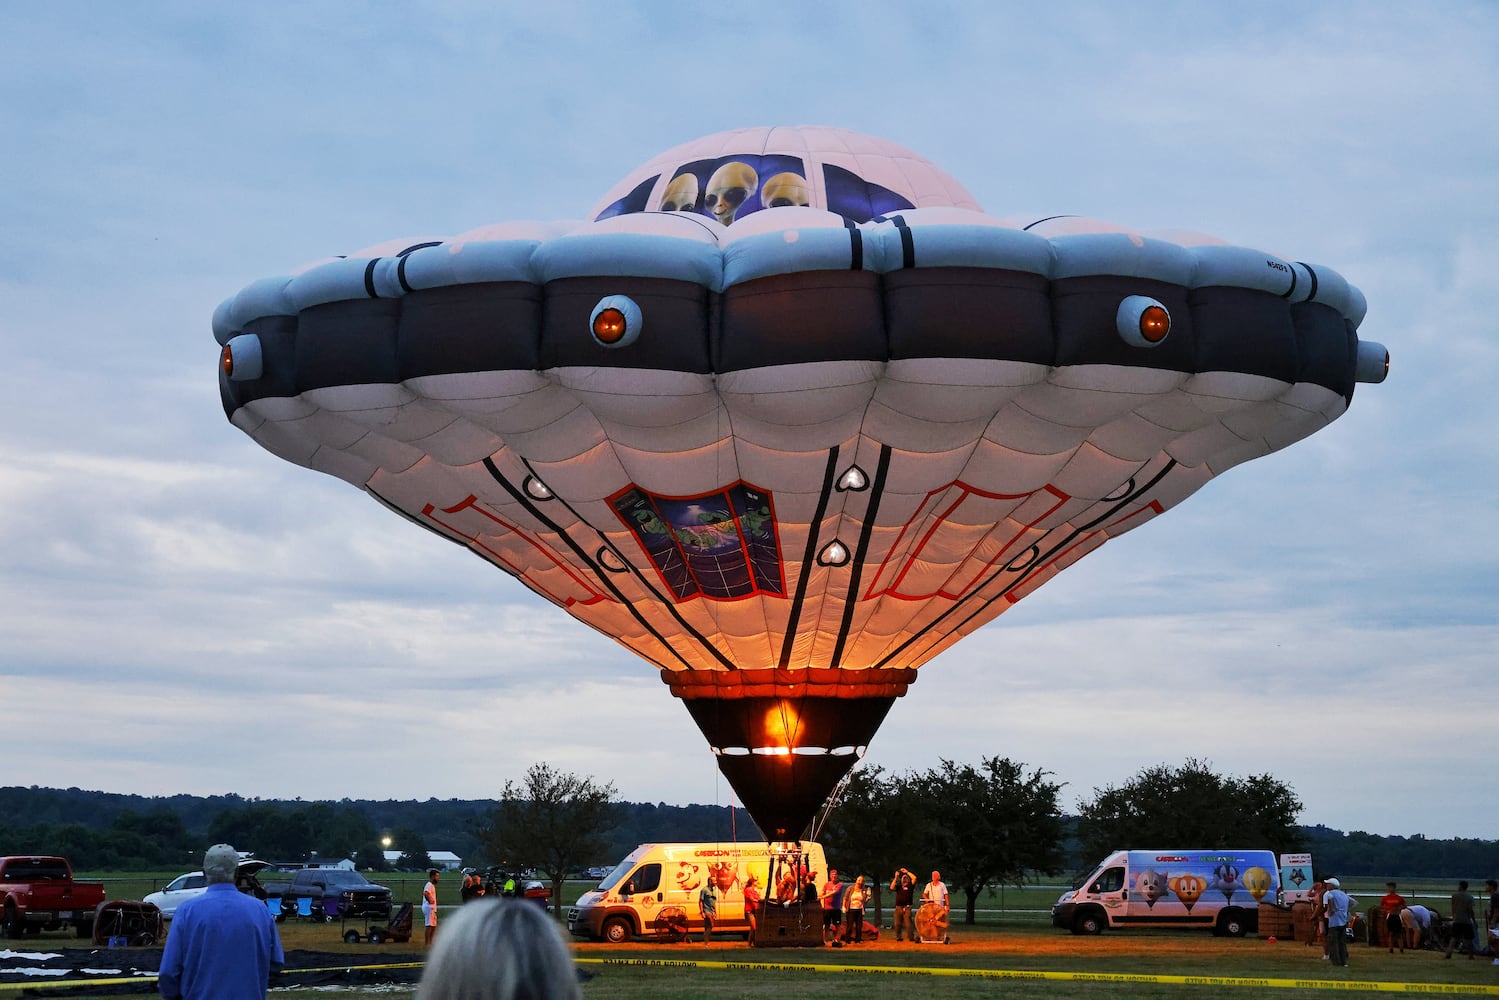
(1109, 890)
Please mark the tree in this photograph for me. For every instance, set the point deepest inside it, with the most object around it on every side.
(1190, 806)
(989, 825)
(371, 858)
(874, 827)
(551, 821)
(413, 851)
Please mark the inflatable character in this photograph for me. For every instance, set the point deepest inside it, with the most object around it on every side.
(681, 194)
(785, 189)
(730, 186)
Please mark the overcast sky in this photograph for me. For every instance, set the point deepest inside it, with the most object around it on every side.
(180, 611)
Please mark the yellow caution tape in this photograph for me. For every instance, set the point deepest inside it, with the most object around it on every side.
(1075, 977)
(1371, 986)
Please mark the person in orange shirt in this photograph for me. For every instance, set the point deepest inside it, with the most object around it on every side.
(1392, 903)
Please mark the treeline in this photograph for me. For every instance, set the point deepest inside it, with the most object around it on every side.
(110, 831)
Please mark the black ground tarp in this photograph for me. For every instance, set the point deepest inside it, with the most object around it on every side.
(96, 971)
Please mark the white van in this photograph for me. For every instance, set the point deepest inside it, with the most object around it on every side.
(1220, 889)
(653, 891)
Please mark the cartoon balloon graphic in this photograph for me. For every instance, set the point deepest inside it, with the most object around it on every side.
(1188, 889)
(1226, 880)
(1151, 885)
(1257, 881)
(790, 460)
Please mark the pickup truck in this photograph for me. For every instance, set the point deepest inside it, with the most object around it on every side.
(335, 893)
(38, 893)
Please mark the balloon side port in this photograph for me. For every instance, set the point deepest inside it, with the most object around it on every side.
(616, 321)
(1142, 321)
(241, 359)
(1373, 362)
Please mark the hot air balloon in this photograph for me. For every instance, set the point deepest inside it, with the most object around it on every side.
(788, 414)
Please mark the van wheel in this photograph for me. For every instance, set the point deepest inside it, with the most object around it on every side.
(1231, 923)
(1089, 922)
(616, 930)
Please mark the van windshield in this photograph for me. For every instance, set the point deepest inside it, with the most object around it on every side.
(620, 871)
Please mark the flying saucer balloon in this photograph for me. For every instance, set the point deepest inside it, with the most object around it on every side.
(788, 414)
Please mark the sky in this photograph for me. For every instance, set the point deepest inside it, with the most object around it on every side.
(182, 612)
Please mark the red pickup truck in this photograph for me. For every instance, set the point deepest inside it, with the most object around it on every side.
(38, 893)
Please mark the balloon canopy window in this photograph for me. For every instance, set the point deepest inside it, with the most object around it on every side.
(789, 414)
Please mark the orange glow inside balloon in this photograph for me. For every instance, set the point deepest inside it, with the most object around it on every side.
(609, 325)
(1155, 323)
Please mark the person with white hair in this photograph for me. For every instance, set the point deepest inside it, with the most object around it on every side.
(223, 945)
(500, 949)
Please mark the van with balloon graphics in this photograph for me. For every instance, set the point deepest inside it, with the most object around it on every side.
(653, 892)
(1218, 889)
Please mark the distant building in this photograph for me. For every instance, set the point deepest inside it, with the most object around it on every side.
(445, 860)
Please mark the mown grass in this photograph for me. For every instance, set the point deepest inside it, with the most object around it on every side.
(1014, 941)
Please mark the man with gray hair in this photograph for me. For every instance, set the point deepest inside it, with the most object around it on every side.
(223, 944)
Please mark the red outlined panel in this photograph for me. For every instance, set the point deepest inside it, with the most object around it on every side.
(924, 550)
(559, 577)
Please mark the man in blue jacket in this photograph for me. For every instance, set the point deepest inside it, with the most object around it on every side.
(223, 945)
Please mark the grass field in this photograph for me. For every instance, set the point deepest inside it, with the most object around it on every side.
(1017, 939)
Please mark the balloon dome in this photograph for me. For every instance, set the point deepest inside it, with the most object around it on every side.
(731, 175)
(787, 415)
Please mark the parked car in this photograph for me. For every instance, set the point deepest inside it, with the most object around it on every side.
(185, 887)
(335, 893)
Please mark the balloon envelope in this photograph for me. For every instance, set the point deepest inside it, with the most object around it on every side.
(788, 414)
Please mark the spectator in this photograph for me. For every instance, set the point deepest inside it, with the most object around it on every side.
(1339, 906)
(1319, 913)
(223, 944)
(1416, 919)
(832, 906)
(853, 912)
(935, 895)
(904, 884)
(499, 949)
(707, 902)
(1462, 921)
(1390, 904)
(1491, 919)
(429, 906)
(752, 907)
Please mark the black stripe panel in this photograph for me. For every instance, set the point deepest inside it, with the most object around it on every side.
(803, 317)
(968, 312)
(471, 328)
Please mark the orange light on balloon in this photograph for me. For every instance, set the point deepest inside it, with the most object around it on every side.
(609, 325)
(1142, 321)
(616, 321)
(1155, 323)
(242, 359)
